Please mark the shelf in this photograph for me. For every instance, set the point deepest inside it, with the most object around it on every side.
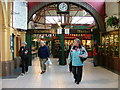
(110, 43)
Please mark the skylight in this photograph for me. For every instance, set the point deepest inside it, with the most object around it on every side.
(75, 20)
(54, 19)
(82, 20)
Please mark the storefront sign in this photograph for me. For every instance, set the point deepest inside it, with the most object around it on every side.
(86, 36)
(41, 31)
(78, 31)
(71, 36)
(58, 31)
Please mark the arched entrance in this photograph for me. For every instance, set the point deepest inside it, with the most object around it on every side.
(83, 5)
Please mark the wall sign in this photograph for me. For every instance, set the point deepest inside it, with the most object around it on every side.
(20, 14)
(80, 31)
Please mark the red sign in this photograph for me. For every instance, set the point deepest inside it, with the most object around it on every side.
(71, 36)
(86, 36)
(55, 37)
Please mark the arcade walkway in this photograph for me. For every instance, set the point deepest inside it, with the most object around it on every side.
(59, 77)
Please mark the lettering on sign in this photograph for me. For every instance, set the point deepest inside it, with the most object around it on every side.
(81, 31)
(54, 31)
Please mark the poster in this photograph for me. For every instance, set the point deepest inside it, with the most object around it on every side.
(20, 13)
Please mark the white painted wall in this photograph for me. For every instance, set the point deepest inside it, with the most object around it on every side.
(112, 9)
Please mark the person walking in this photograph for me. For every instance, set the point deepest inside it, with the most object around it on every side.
(95, 54)
(43, 54)
(77, 52)
(70, 64)
(24, 54)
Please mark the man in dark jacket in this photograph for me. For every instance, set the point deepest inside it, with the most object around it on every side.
(24, 54)
(43, 54)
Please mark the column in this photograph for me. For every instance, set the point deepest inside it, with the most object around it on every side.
(4, 45)
(23, 36)
(29, 44)
(119, 27)
(63, 56)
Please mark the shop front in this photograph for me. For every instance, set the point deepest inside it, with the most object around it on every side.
(87, 42)
(109, 51)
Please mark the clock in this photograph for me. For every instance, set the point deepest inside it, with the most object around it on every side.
(63, 8)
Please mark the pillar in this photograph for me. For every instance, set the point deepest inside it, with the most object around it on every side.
(119, 28)
(23, 36)
(62, 52)
(96, 35)
(52, 48)
(29, 45)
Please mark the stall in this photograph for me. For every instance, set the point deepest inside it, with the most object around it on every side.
(86, 39)
(109, 51)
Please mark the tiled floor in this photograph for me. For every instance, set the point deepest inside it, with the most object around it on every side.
(59, 77)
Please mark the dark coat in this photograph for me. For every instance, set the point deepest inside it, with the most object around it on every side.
(43, 52)
(22, 52)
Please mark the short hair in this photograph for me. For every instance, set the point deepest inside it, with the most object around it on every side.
(42, 42)
(24, 43)
(78, 40)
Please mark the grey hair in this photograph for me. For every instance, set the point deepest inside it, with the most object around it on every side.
(24, 43)
(78, 40)
(42, 42)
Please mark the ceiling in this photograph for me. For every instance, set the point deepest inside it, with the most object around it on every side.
(47, 17)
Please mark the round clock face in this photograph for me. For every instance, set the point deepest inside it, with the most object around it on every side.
(63, 7)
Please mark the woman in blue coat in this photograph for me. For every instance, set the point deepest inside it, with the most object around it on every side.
(76, 53)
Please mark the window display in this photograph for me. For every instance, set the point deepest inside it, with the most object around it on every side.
(110, 43)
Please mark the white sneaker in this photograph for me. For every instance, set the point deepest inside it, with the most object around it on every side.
(22, 74)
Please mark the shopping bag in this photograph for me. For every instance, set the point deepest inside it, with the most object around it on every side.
(48, 62)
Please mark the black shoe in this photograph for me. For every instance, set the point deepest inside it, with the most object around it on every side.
(42, 72)
(75, 81)
(95, 65)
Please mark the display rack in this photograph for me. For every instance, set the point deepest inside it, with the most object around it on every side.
(110, 44)
(109, 50)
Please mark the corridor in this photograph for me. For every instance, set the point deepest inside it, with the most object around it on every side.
(59, 77)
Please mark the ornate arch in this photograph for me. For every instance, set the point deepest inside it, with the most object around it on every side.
(84, 5)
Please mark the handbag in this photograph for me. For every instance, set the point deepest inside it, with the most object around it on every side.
(83, 59)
